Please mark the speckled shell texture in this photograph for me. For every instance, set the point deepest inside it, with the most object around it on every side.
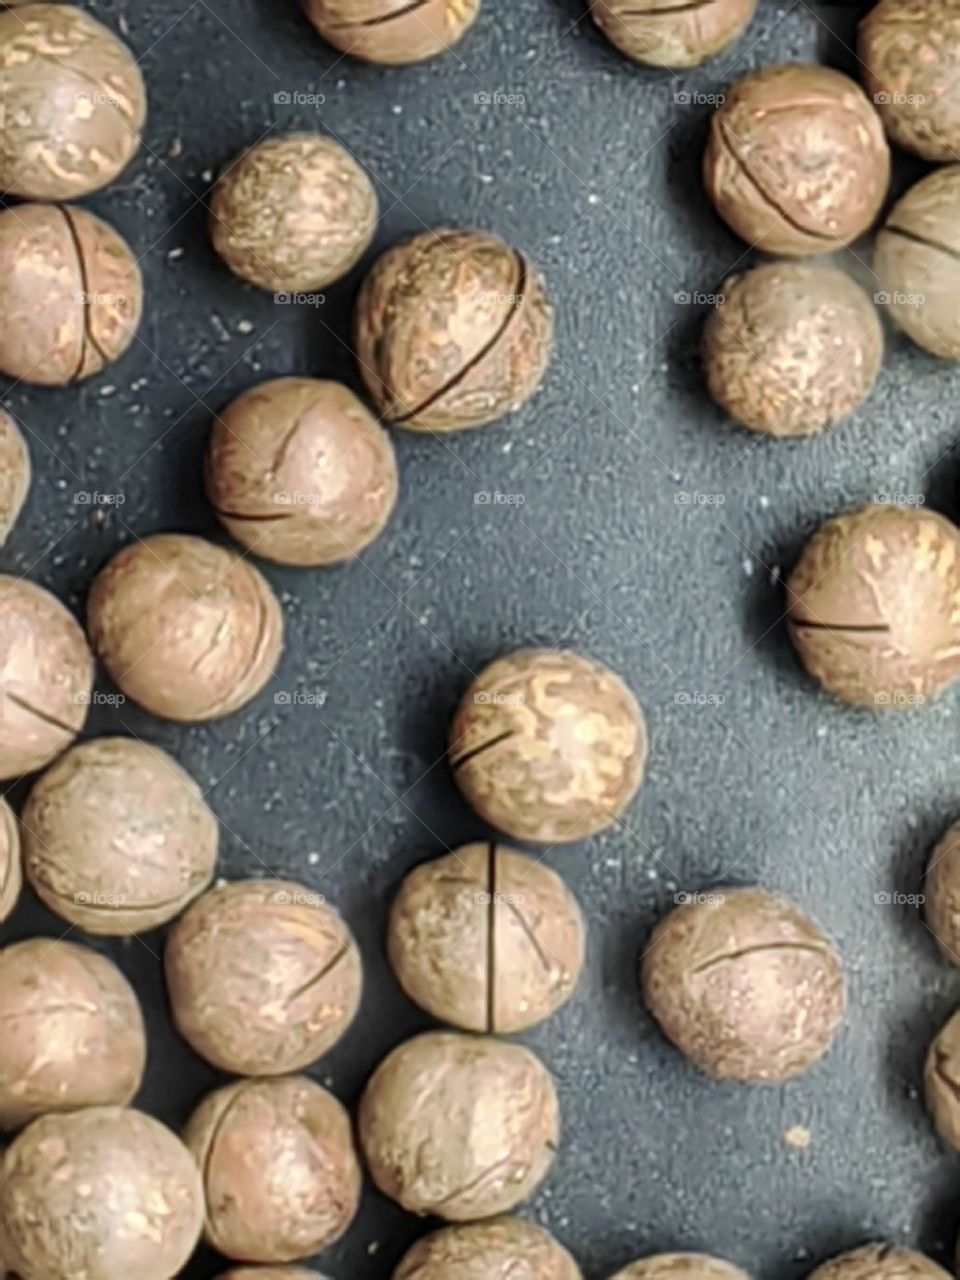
(11, 863)
(462, 1127)
(300, 472)
(548, 746)
(100, 1194)
(117, 837)
(793, 348)
(75, 103)
(745, 985)
(941, 1081)
(186, 629)
(797, 162)
(71, 294)
(453, 330)
(486, 939)
(15, 474)
(293, 213)
(73, 1031)
(681, 1266)
(662, 33)
(47, 677)
(917, 262)
(394, 32)
(280, 1172)
(264, 977)
(874, 606)
(503, 1249)
(880, 1262)
(942, 891)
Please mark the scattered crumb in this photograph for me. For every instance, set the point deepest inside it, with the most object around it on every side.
(373, 1247)
(244, 326)
(799, 1137)
(174, 254)
(176, 148)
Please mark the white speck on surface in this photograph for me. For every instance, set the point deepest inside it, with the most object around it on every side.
(175, 254)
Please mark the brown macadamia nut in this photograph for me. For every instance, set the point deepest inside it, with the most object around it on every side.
(11, 863)
(502, 1249)
(745, 985)
(186, 629)
(73, 1031)
(662, 33)
(792, 348)
(394, 32)
(941, 1080)
(71, 293)
(942, 895)
(874, 606)
(117, 837)
(880, 1262)
(280, 1172)
(453, 330)
(293, 213)
(264, 977)
(98, 1194)
(76, 103)
(681, 1266)
(797, 162)
(463, 1127)
(486, 939)
(15, 474)
(48, 677)
(548, 746)
(301, 472)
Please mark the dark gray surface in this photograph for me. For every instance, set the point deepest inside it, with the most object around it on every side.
(596, 176)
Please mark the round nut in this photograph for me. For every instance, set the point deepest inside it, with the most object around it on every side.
(745, 985)
(941, 1080)
(797, 162)
(48, 677)
(300, 472)
(463, 1127)
(280, 1171)
(11, 863)
(392, 32)
(80, 103)
(502, 1249)
(117, 837)
(874, 606)
(792, 348)
(15, 472)
(880, 1262)
(263, 977)
(186, 629)
(130, 1182)
(665, 34)
(486, 939)
(73, 1031)
(453, 330)
(548, 746)
(942, 895)
(681, 1266)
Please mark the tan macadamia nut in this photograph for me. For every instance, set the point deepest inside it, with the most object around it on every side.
(662, 33)
(73, 1031)
(745, 985)
(280, 1172)
(186, 629)
(880, 1262)
(393, 32)
(117, 837)
(264, 978)
(548, 746)
(486, 939)
(463, 1127)
(102, 1193)
(501, 1249)
(453, 330)
(80, 103)
(71, 293)
(15, 472)
(47, 677)
(941, 1079)
(301, 472)
(942, 894)
(11, 862)
(293, 213)
(681, 1266)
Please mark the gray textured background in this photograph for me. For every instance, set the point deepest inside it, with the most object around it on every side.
(596, 176)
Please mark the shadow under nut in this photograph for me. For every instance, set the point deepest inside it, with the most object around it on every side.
(501, 1249)
(392, 32)
(662, 33)
(681, 1266)
(11, 861)
(880, 1262)
(270, 1273)
(942, 894)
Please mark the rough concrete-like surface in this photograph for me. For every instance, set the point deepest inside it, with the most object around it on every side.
(596, 175)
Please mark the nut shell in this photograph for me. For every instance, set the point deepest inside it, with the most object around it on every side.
(486, 939)
(942, 895)
(80, 103)
(548, 746)
(393, 32)
(263, 977)
(793, 348)
(453, 330)
(744, 985)
(280, 1172)
(463, 1127)
(293, 213)
(299, 471)
(880, 1262)
(73, 1031)
(874, 606)
(941, 1081)
(681, 1266)
(11, 862)
(662, 33)
(117, 837)
(186, 629)
(797, 162)
(502, 1249)
(15, 473)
